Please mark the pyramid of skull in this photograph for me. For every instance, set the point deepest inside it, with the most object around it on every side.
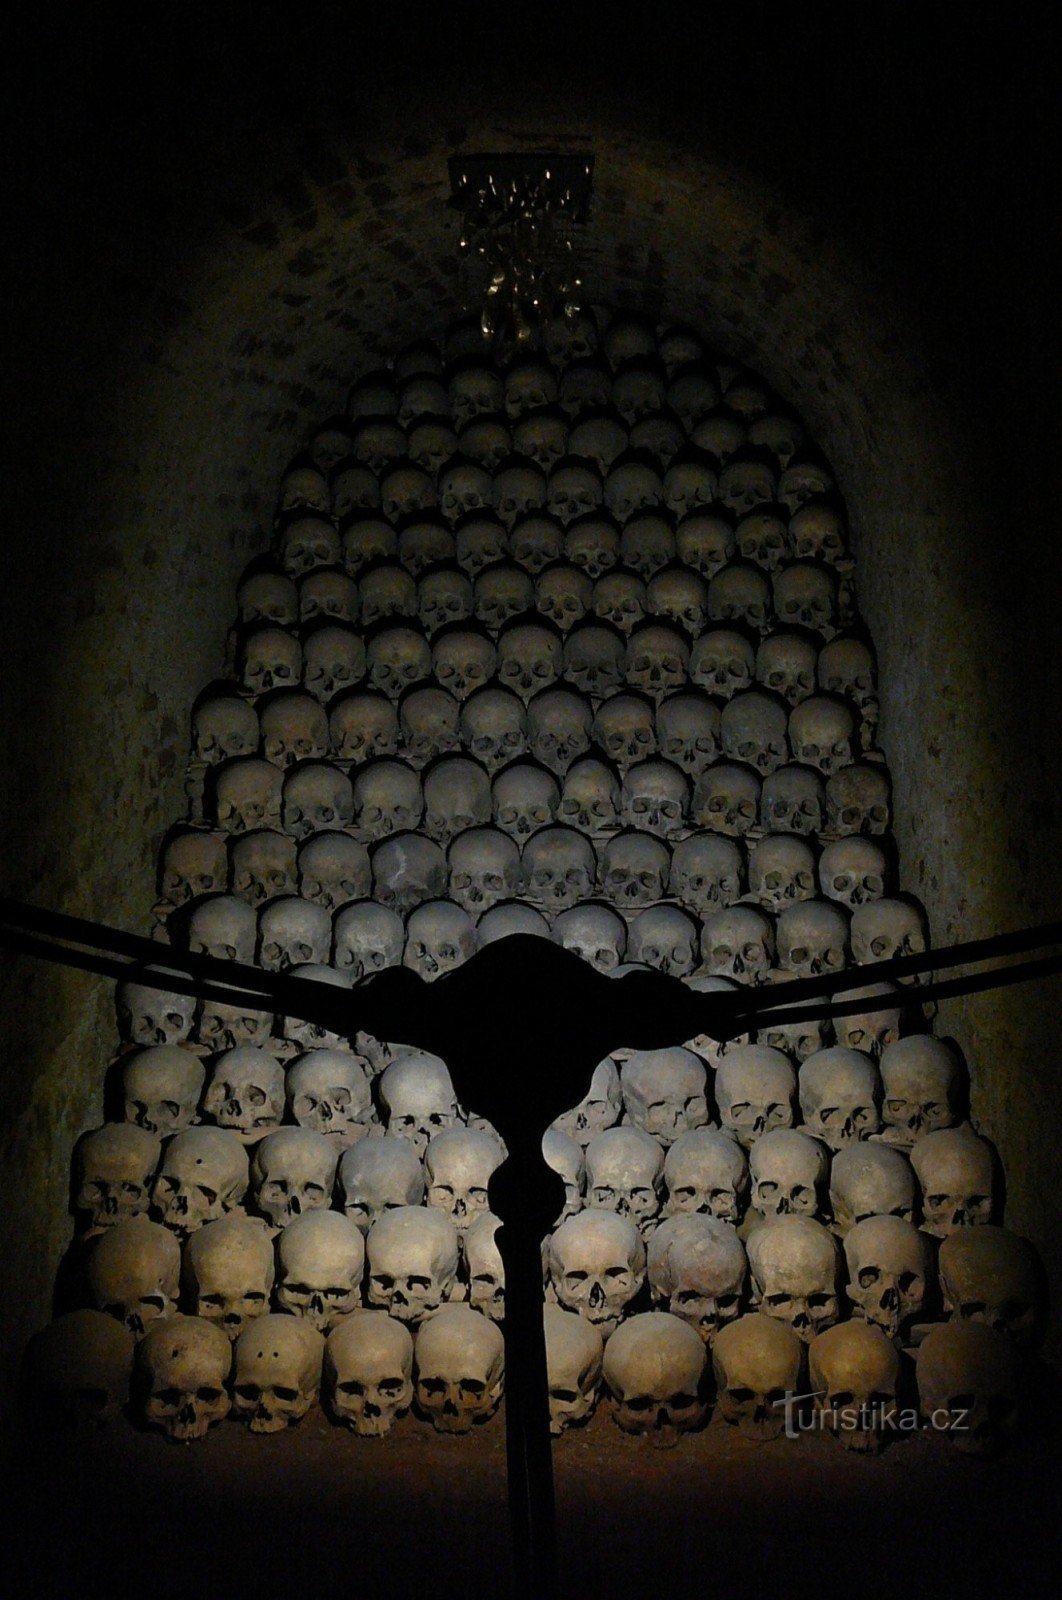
(565, 645)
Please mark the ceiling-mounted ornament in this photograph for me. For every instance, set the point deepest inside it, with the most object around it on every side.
(518, 217)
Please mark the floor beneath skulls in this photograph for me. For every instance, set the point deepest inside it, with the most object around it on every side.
(316, 1511)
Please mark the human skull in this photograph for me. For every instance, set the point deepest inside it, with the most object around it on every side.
(504, 591)
(293, 1171)
(793, 801)
(656, 661)
(530, 658)
(379, 1175)
(757, 1362)
(563, 595)
(503, 921)
(223, 926)
(413, 1255)
(722, 663)
(458, 1163)
(493, 727)
(439, 937)
(462, 661)
(294, 728)
(593, 932)
(921, 1078)
(484, 869)
(619, 598)
(624, 728)
(887, 1270)
(429, 719)
(593, 544)
(705, 1173)
(690, 483)
(883, 930)
(292, 931)
(369, 937)
(444, 595)
(753, 731)
(373, 395)
(785, 664)
(573, 1364)
(799, 1038)
(228, 1272)
(316, 796)
(570, 337)
(597, 1266)
(542, 436)
(634, 870)
(788, 1169)
(432, 442)
(762, 538)
(151, 1016)
(740, 592)
(405, 489)
(846, 667)
(821, 732)
(624, 1174)
(805, 595)
(871, 1031)
(697, 1271)
(782, 435)
(363, 725)
(387, 799)
(755, 1090)
(812, 938)
(328, 1092)
(134, 1273)
(77, 1370)
(870, 1180)
(368, 1372)
(424, 544)
(457, 795)
(418, 1096)
(738, 942)
(328, 594)
(852, 871)
(817, 532)
(333, 870)
(638, 389)
(277, 1375)
(590, 799)
(460, 1369)
(377, 442)
(840, 1092)
(113, 1169)
(795, 1270)
(365, 540)
(193, 863)
(182, 1367)
(665, 938)
(855, 1373)
(203, 1175)
(706, 873)
(421, 396)
(655, 798)
(306, 543)
(387, 591)
(397, 658)
(161, 1086)
(480, 542)
(781, 871)
(559, 727)
(524, 798)
(223, 726)
(247, 795)
(857, 800)
(705, 543)
(987, 1275)
(599, 437)
(560, 868)
(574, 490)
(464, 486)
(519, 493)
(303, 488)
(968, 1386)
(688, 730)
(320, 1261)
(955, 1169)
(655, 1369)
(245, 1092)
(600, 1109)
(647, 543)
(483, 1266)
(633, 484)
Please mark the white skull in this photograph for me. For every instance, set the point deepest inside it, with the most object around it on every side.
(817, 532)
(740, 592)
(458, 1163)
(788, 1170)
(444, 595)
(593, 932)
(501, 922)
(855, 1373)
(494, 727)
(722, 663)
(292, 931)
(647, 543)
(479, 543)
(330, 444)
(884, 929)
(746, 395)
(757, 1362)
(634, 870)
(573, 1365)
(688, 729)
(484, 869)
(697, 1271)
(871, 1031)
(986, 1275)
(561, 1153)
(293, 1171)
(333, 870)
(955, 1169)
(421, 395)
(840, 1092)
(432, 442)
(968, 1386)
(633, 485)
(377, 442)
(311, 1035)
(795, 1270)
(805, 595)
(504, 591)
(870, 1180)
(657, 661)
(712, 1051)
(303, 488)
(591, 798)
(888, 1265)
(248, 794)
(425, 544)
(223, 1027)
(690, 483)
(681, 348)
(397, 658)
(597, 1266)
(413, 1255)
(852, 872)
(320, 1261)
(781, 871)
(268, 597)
(638, 389)
(746, 481)
(362, 726)
(799, 1039)
(78, 1368)
(705, 542)
(277, 1374)
(193, 863)
(619, 598)
(785, 664)
(439, 937)
(846, 667)
(150, 1016)
(665, 938)
(203, 1175)
(429, 719)
(921, 1078)
(542, 436)
(593, 544)
(559, 726)
(406, 489)
(570, 337)
(600, 1109)
(316, 797)
(524, 798)
(753, 730)
(462, 661)
(737, 942)
(328, 1091)
(574, 490)
(294, 728)
(857, 800)
(464, 487)
(519, 492)
(624, 1174)
(113, 1169)
(599, 438)
(705, 1173)
(182, 1365)
(624, 728)
(780, 434)
(368, 1372)
(706, 873)
(812, 938)
(755, 1090)
(560, 868)
(483, 1266)
(821, 732)
(387, 799)
(457, 795)
(306, 543)
(418, 1096)
(530, 658)
(246, 1092)
(369, 937)
(328, 594)
(161, 1086)
(529, 383)
(563, 594)
(365, 540)
(228, 1272)
(762, 538)
(387, 591)
(224, 726)
(223, 926)
(134, 1273)
(377, 1176)
(655, 798)
(793, 801)
(655, 1367)
(460, 1369)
